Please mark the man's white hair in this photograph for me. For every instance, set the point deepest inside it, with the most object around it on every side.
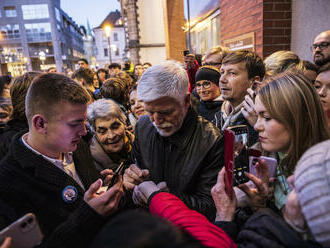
(166, 79)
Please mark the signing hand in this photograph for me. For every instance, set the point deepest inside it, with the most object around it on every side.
(6, 243)
(107, 202)
(107, 175)
(134, 176)
(225, 206)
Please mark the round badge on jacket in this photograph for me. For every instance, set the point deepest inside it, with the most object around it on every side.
(69, 194)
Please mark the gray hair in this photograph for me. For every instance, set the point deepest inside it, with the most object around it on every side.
(104, 108)
(166, 79)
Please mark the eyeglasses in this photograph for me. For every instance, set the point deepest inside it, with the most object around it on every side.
(322, 45)
(205, 85)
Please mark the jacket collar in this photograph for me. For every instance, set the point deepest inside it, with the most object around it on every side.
(182, 137)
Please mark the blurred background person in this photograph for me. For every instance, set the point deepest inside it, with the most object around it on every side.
(114, 68)
(215, 56)
(136, 106)
(85, 77)
(18, 121)
(83, 63)
(102, 75)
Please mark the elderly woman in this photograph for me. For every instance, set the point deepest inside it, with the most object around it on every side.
(111, 143)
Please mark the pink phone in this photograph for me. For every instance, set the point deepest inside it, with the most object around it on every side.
(271, 163)
(25, 232)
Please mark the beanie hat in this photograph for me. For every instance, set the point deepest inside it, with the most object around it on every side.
(209, 73)
(312, 184)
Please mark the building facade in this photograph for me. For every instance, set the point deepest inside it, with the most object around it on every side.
(110, 49)
(153, 36)
(36, 35)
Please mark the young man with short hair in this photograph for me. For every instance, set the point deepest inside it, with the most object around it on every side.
(49, 171)
(239, 71)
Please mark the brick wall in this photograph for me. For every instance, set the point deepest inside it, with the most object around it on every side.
(270, 20)
(174, 35)
(241, 17)
(276, 26)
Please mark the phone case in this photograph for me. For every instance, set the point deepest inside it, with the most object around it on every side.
(229, 161)
(25, 232)
(241, 156)
(271, 163)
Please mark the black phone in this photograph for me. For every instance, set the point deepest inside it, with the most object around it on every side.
(241, 154)
(117, 173)
(185, 52)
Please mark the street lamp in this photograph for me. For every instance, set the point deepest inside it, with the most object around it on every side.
(107, 30)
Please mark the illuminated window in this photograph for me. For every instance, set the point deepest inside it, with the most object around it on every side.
(10, 11)
(35, 11)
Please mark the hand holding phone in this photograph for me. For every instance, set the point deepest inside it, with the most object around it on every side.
(241, 160)
(24, 232)
(118, 172)
(270, 162)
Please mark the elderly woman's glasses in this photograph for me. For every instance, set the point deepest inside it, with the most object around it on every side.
(205, 85)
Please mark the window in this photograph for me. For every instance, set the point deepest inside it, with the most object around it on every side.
(35, 11)
(38, 32)
(117, 52)
(57, 14)
(115, 36)
(10, 11)
(9, 32)
(106, 52)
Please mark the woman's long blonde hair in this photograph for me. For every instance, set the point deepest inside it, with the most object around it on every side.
(291, 100)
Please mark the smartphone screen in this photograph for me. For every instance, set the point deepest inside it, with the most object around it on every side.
(241, 155)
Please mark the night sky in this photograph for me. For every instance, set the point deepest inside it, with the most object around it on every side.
(94, 10)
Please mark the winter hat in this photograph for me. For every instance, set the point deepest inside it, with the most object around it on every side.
(312, 184)
(209, 73)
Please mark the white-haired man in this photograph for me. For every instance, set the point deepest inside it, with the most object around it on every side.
(173, 144)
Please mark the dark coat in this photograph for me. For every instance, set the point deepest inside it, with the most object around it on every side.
(29, 183)
(13, 127)
(188, 161)
(265, 229)
(207, 109)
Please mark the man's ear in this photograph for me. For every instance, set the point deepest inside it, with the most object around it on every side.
(187, 101)
(39, 123)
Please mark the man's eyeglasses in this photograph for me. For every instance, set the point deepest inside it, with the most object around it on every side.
(322, 45)
(205, 85)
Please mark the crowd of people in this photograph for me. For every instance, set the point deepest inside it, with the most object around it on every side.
(133, 156)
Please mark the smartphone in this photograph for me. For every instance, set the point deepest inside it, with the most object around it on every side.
(271, 163)
(117, 173)
(185, 52)
(241, 156)
(229, 161)
(25, 232)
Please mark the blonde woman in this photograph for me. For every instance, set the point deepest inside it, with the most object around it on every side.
(290, 120)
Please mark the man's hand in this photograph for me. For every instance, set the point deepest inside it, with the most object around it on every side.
(107, 202)
(259, 195)
(225, 206)
(248, 110)
(144, 190)
(134, 176)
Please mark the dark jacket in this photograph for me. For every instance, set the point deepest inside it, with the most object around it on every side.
(265, 229)
(207, 109)
(188, 161)
(13, 127)
(253, 134)
(29, 183)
